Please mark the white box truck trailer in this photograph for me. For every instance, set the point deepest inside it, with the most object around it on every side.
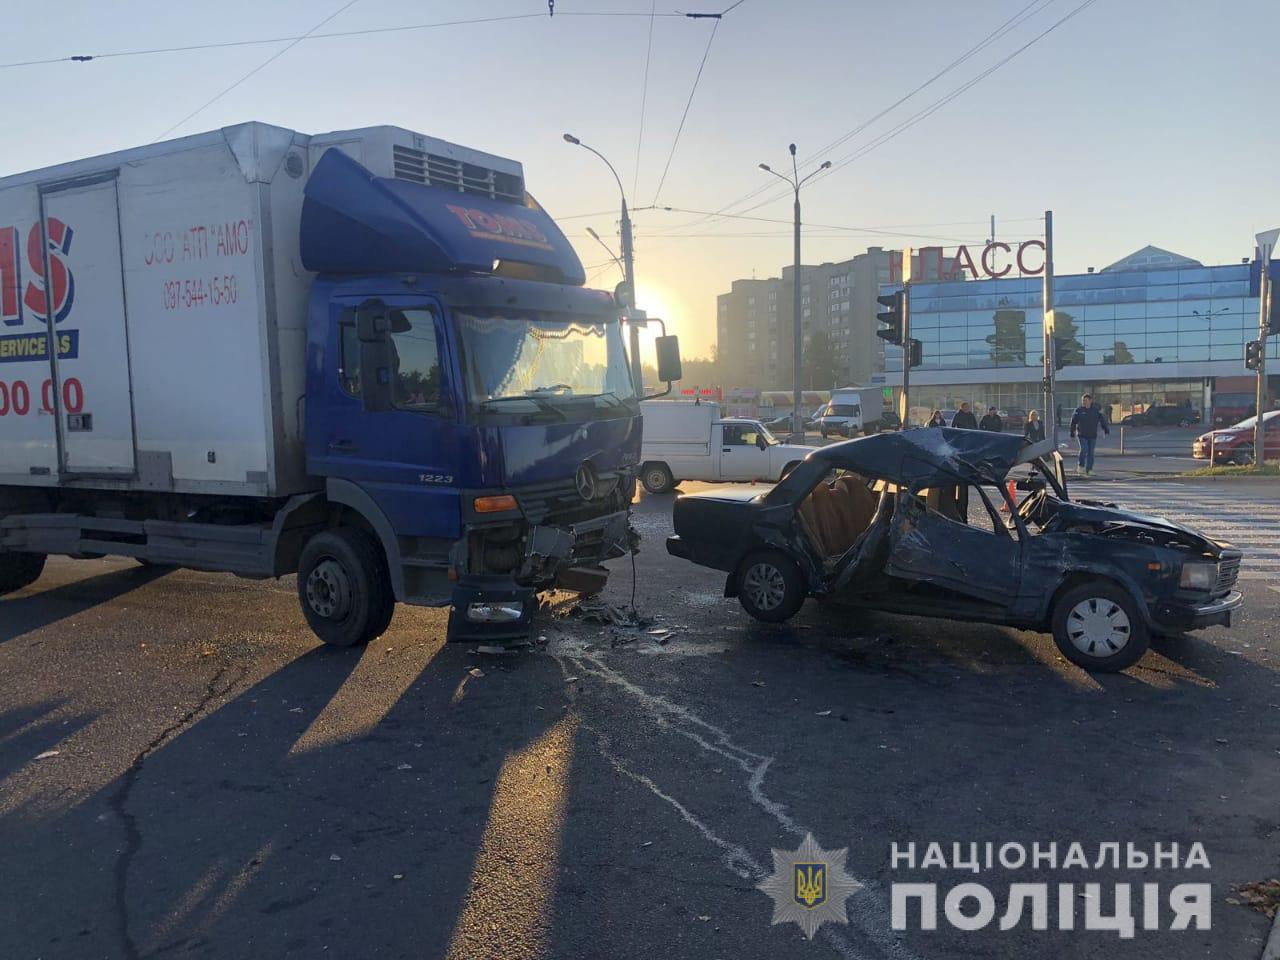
(363, 356)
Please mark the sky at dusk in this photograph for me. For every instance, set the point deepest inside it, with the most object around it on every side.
(1136, 122)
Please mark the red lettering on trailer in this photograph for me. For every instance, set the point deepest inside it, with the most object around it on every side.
(10, 277)
(63, 283)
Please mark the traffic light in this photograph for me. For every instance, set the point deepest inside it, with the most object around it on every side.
(916, 352)
(1253, 354)
(892, 317)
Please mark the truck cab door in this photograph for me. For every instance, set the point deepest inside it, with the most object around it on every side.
(403, 456)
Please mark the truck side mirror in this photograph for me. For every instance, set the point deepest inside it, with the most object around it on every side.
(377, 355)
(668, 349)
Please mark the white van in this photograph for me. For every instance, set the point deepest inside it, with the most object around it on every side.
(842, 416)
(690, 441)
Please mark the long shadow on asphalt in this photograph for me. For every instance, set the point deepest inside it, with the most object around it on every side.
(30, 730)
(38, 608)
(230, 840)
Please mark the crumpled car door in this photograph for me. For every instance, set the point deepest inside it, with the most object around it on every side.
(928, 547)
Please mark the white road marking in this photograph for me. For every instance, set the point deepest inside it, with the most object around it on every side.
(864, 910)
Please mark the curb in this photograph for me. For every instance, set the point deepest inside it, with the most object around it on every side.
(1272, 950)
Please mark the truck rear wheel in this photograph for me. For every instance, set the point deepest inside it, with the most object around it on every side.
(344, 587)
(18, 570)
(657, 478)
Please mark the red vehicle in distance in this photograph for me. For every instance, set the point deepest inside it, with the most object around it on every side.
(1234, 444)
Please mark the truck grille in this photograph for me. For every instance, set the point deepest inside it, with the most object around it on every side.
(560, 504)
(1228, 572)
(433, 170)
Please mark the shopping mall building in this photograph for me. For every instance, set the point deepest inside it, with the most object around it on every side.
(1154, 328)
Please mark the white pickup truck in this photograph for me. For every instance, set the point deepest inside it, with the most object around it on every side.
(690, 441)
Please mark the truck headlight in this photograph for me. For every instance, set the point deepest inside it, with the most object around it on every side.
(1198, 576)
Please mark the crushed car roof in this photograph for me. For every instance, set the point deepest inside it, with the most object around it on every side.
(933, 455)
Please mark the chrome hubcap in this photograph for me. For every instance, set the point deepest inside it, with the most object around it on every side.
(329, 590)
(1098, 627)
(657, 479)
(765, 586)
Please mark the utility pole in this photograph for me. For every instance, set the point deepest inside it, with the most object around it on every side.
(634, 322)
(1050, 341)
(795, 182)
(904, 405)
(1266, 245)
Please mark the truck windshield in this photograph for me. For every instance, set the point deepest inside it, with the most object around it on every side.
(523, 363)
(844, 410)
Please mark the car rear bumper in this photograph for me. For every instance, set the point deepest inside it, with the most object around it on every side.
(1184, 616)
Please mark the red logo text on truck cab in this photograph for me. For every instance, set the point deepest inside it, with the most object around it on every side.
(35, 295)
(496, 226)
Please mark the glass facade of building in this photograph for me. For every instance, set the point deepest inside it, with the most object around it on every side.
(1149, 317)
(1123, 331)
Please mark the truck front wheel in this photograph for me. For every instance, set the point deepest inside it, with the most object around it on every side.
(18, 570)
(344, 587)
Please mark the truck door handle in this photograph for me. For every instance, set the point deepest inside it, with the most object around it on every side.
(342, 446)
(726, 450)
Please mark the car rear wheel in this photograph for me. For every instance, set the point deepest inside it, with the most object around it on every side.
(657, 478)
(1098, 626)
(770, 586)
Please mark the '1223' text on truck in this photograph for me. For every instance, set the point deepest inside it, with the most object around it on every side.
(365, 357)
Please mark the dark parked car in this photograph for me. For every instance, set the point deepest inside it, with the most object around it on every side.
(1163, 416)
(911, 522)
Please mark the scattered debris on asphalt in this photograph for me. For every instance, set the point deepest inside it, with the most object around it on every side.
(405, 766)
(757, 683)
(334, 857)
(608, 614)
(570, 679)
(47, 754)
(397, 876)
(476, 672)
(1263, 896)
(824, 713)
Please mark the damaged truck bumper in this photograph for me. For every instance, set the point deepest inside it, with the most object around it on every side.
(499, 607)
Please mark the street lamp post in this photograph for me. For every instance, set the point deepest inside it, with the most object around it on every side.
(628, 267)
(795, 182)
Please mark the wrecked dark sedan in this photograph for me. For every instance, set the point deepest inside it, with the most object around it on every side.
(965, 525)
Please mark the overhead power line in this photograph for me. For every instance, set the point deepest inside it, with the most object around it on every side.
(271, 59)
(644, 99)
(684, 116)
(1023, 14)
(943, 101)
(368, 31)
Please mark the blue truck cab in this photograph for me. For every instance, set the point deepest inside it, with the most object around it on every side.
(469, 397)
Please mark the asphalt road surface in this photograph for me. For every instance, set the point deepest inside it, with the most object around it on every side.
(184, 772)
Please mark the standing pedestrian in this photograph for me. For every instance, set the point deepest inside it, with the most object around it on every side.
(1085, 423)
(964, 418)
(1034, 431)
(936, 419)
(992, 421)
